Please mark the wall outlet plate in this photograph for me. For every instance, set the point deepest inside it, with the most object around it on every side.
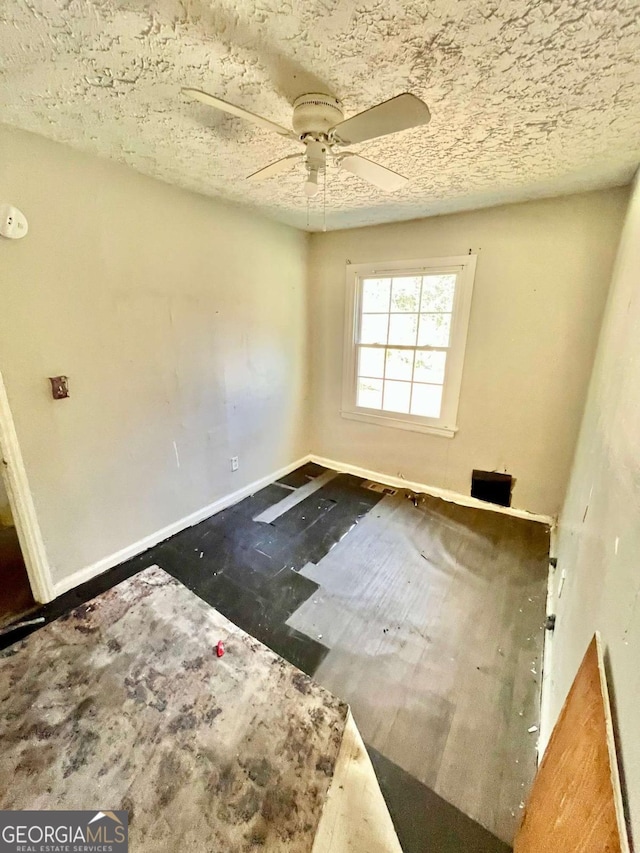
(234, 463)
(59, 387)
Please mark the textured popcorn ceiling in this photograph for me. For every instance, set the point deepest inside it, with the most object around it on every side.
(528, 98)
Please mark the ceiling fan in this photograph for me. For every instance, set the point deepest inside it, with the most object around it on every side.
(319, 125)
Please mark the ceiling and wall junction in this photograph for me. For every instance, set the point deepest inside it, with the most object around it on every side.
(527, 99)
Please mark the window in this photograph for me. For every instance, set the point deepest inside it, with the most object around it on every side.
(406, 333)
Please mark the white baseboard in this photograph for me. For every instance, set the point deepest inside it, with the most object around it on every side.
(435, 491)
(103, 565)
(89, 572)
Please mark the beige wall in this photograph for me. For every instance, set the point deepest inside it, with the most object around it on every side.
(181, 323)
(599, 531)
(179, 320)
(542, 277)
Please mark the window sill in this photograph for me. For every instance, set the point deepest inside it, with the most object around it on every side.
(398, 423)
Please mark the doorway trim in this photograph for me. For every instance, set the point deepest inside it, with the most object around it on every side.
(22, 506)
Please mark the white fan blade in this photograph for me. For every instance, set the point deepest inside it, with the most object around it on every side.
(274, 168)
(218, 103)
(376, 174)
(399, 113)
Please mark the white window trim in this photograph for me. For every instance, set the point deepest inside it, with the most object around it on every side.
(446, 424)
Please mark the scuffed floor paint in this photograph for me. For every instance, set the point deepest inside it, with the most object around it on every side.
(433, 615)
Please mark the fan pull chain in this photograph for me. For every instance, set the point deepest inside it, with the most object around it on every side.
(324, 200)
(307, 211)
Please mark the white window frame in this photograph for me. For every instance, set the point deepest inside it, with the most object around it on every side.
(446, 424)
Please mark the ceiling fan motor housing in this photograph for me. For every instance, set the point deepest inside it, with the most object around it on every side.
(316, 114)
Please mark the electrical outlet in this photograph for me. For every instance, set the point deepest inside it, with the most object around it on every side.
(234, 463)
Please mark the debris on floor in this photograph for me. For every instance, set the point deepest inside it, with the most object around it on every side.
(378, 487)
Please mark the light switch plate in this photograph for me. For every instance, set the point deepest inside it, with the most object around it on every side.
(59, 387)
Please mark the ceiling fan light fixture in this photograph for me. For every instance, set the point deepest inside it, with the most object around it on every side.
(320, 127)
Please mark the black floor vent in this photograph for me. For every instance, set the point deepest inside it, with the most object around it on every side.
(492, 487)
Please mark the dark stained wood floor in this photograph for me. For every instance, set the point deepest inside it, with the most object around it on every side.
(427, 619)
(433, 615)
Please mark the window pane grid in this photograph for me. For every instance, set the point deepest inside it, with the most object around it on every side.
(412, 383)
(388, 391)
(389, 315)
(397, 370)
